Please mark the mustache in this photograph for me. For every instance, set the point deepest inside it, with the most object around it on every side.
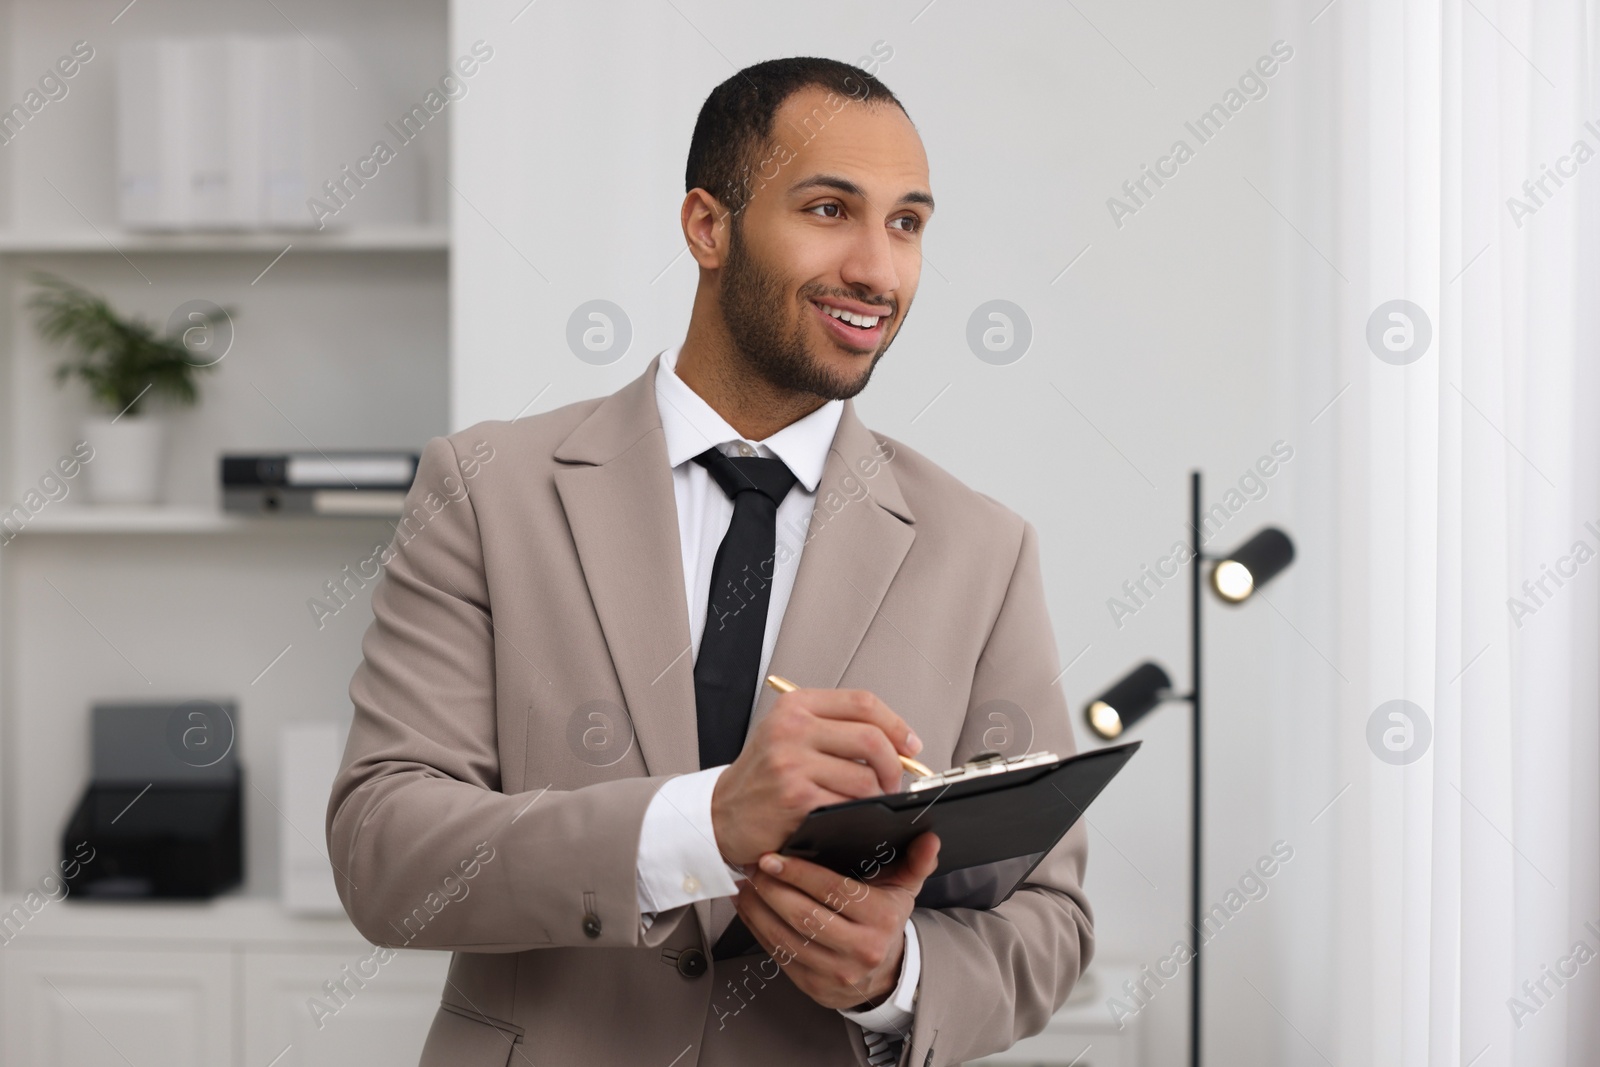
(888, 306)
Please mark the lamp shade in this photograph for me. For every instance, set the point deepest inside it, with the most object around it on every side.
(1252, 565)
(1125, 703)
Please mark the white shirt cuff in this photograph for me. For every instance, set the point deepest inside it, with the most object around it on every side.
(894, 1015)
(679, 862)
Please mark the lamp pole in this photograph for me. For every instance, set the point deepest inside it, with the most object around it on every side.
(1233, 578)
(1195, 777)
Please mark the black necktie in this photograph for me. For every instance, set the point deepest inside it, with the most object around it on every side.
(736, 612)
(736, 622)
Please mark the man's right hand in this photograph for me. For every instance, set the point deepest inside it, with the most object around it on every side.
(801, 756)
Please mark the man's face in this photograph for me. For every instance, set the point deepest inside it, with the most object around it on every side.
(835, 222)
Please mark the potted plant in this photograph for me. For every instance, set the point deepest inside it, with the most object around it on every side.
(126, 364)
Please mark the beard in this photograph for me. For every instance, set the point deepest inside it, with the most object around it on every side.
(753, 303)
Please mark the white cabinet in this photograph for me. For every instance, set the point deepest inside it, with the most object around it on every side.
(328, 1009)
(226, 984)
(94, 1007)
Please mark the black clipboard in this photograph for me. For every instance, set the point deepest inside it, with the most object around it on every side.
(993, 830)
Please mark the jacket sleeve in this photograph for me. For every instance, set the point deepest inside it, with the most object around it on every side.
(991, 978)
(428, 852)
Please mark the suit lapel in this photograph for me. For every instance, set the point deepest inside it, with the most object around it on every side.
(622, 512)
(854, 547)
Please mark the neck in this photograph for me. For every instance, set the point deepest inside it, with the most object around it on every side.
(709, 364)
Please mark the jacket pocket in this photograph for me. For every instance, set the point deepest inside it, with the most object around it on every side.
(461, 1037)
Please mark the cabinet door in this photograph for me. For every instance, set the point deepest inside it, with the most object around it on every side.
(338, 1008)
(93, 1008)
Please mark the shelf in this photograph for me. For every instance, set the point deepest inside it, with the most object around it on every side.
(106, 519)
(213, 924)
(113, 241)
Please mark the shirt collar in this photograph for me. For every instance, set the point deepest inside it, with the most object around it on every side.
(691, 426)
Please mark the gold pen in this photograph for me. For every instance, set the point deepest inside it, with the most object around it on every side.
(783, 685)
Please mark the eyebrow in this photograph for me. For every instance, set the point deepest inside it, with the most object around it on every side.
(850, 188)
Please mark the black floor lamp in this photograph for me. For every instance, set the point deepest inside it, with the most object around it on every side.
(1234, 577)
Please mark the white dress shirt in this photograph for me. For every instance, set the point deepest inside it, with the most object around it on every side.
(679, 861)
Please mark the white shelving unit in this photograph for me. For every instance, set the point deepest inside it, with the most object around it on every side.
(340, 342)
(174, 520)
(399, 238)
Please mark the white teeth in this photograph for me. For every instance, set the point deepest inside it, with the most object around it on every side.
(866, 322)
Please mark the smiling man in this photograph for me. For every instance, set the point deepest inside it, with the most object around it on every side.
(563, 672)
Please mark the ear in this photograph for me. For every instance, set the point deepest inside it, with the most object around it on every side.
(705, 228)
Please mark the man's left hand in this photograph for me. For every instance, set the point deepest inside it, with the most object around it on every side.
(839, 939)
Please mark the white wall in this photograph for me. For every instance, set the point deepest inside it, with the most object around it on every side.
(568, 160)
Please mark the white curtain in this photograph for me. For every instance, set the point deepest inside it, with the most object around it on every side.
(1447, 482)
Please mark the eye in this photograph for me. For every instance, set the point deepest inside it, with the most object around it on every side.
(829, 204)
(916, 223)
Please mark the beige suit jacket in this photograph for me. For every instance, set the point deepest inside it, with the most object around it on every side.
(536, 583)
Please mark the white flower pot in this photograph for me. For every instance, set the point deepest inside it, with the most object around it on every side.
(128, 459)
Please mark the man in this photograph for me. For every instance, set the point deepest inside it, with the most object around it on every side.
(563, 766)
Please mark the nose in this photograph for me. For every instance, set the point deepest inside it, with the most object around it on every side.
(870, 262)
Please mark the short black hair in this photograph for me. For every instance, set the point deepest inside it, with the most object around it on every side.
(736, 121)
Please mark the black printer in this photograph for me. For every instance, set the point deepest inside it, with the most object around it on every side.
(163, 808)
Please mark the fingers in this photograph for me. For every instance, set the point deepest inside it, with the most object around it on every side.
(804, 934)
(800, 890)
(791, 948)
(861, 706)
(816, 747)
(843, 779)
(819, 883)
(849, 938)
(860, 741)
(765, 925)
(920, 861)
(828, 924)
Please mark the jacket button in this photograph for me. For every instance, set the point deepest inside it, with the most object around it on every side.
(692, 963)
(591, 924)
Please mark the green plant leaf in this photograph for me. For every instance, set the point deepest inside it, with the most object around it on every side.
(122, 361)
